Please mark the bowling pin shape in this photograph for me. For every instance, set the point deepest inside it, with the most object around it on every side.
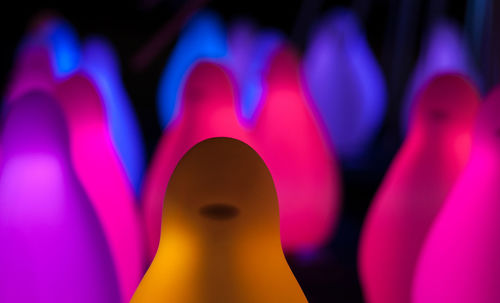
(291, 141)
(220, 239)
(208, 110)
(249, 53)
(346, 83)
(415, 187)
(204, 37)
(459, 261)
(103, 178)
(444, 50)
(53, 246)
(100, 61)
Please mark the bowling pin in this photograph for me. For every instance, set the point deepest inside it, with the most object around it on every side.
(220, 239)
(52, 245)
(204, 37)
(415, 187)
(208, 110)
(101, 62)
(459, 261)
(346, 83)
(290, 139)
(99, 169)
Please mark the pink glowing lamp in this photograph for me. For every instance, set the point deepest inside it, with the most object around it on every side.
(293, 145)
(415, 187)
(207, 110)
(459, 262)
(103, 178)
(53, 247)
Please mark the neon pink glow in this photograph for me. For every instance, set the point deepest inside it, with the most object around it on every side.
(103, 178)
(295, 149)
(32, 71)
(207, 110)
(415, 187)
(459, 262)
(53, 247)
(306, 181)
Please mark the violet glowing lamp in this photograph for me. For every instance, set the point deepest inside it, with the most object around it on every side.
(346, 83)
(444, 50)
(53, 245)
(101, 63)
(204, 37)
(414, 189)
(459, 261)
(207, 110)
(220, 238)
(290, 139)
(100, 171)
(249, 53)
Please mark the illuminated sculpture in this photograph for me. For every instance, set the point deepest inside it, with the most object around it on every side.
(249, 53)
(459, 262)
(346, 83)
(53, 247)
(220, 239)
(415, 187)
(291, 142)
(103, 178)
(207, 110)
(204, 37)
(101, 63)
(444, 51)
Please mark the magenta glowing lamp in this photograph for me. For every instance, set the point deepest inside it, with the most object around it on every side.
(103, 178)
(207, 110)
(291, 141)
(443, 50)
(53, 245)
(459, 262)
(414, 189)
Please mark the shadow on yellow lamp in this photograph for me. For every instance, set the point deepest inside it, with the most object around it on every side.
(220, 238)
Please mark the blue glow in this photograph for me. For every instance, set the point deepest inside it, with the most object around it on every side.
(444, 50)
(101, 62)
(250, 52)
(61, 39)
(346, 83)
(204, 37)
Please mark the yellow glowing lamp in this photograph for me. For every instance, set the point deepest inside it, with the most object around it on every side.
(220, 238)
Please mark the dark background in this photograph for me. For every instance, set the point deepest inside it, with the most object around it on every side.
(394, 29)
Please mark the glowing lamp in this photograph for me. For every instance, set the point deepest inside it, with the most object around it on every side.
(220, 239)
(346, 83)
(289, 138)
(459, 261)
(204, 37)
(415, 187)
(444, 51)
(249, 53)
(101, 63)
(53, 246)
(103, 178)
(207, 110)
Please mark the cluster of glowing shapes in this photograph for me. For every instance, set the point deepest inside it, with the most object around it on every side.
(459, 261)
(286, 135)
(415, 187)
(220, 237)
(444, 50)
(53, 247)
(249, 53)
(98, 167)
(204, 37)
(51, 53)
(346, 83)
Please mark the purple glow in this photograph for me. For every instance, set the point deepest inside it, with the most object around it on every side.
(53, 247)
